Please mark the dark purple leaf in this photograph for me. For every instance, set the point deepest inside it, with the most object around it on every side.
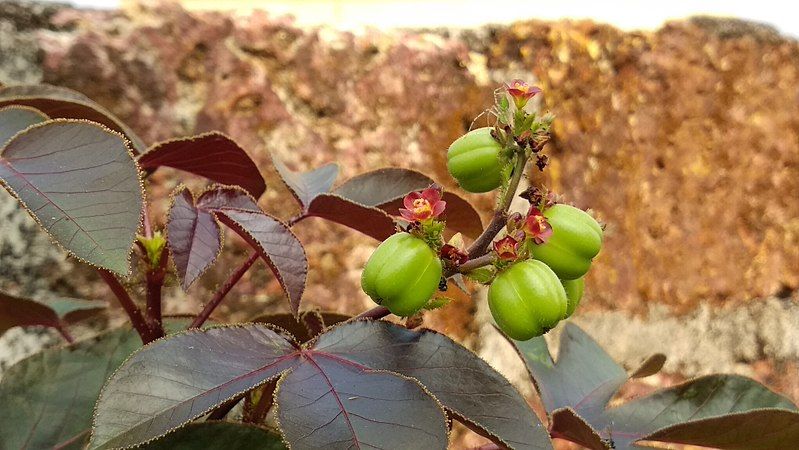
(585, 378)
(766, 429)
(194, 237)
(218, 435)
(14, 119)
(175, 380)
(73, 310)
(210, 155)
(368, 220)
(79, 181)
(22, 312)
(60, 102)
(650, 366)
(276, 244)
(465, 384)
(307, 185)
(385, 189)
(329, 402)
(307, 327)
(220, 198)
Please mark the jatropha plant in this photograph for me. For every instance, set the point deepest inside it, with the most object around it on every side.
(309, 379)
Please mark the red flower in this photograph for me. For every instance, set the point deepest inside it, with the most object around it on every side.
(536, 226)
(454, 254)
(506, 248)
(423, 206)
(521, 92)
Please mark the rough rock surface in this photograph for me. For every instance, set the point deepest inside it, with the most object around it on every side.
(685, 141)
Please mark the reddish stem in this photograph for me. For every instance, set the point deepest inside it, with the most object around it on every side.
(148, 229)
(133, 311)
(65, 334)
(378, 312)
(155, 281)
(222, 292)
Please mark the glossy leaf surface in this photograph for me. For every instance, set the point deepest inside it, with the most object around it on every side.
(60, 102)
(585, 378)
(210, 155)
(194, 237)
(305, 186)
(323, 398)
(79, 181)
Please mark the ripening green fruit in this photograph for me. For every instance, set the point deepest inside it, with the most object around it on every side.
(473, 159)
(574, 292)
(527, 300)
(402, 274)
(576, 239)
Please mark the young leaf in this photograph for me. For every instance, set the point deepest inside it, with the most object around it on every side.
(193, 236)
(60, 102)
(175, 380)
(465, 385)
(79, 181)
(14, 119)
(585, 378)
(23, 312)
(47, 399)
(210, 155)
(218, 435)
(305, 186)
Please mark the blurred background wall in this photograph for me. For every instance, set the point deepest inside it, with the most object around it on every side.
(683, 139)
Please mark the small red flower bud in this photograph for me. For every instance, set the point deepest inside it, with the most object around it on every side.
(536, 226)
(521, 92)
(423, 206)
(515, 221)
(506, 248)
(454, 254)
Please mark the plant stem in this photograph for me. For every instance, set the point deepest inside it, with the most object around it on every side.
(155, 280)
(220, 294)
(133, 311)
(475, 263)
(378, 312)
(482, 242)
(62, 329)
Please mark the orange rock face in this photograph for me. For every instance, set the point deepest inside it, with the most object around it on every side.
(684, 141)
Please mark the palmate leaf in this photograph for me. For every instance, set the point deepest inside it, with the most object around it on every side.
(211, 155)
(60, 102)
(194, 236)
(56, 313)
(578, 387)
(307, 326)
(215, 435)
(367, 201)
(79, 181)
(325, 400)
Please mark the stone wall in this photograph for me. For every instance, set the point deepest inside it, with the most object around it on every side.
(684, 140)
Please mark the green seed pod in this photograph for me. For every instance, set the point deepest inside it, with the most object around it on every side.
(574, 292)
(402, 274)
(527, 300)
(576, 239)
(474, 160)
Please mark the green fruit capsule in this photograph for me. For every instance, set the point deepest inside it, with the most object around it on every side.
(574, 292)
(473, 159)
(402, 274)
(576, 239)
(527, 300)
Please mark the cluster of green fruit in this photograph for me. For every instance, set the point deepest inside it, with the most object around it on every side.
(536, 278)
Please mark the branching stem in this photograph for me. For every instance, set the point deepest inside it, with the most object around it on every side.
(222, 292)
(133, 311)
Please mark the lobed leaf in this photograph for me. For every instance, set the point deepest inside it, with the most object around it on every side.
(60, 102)
(369, 221)
(584, 380)
(79, 181)
(322, 398)
(193, 236)
(211, 155)
(306, 327)
(466, 385)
